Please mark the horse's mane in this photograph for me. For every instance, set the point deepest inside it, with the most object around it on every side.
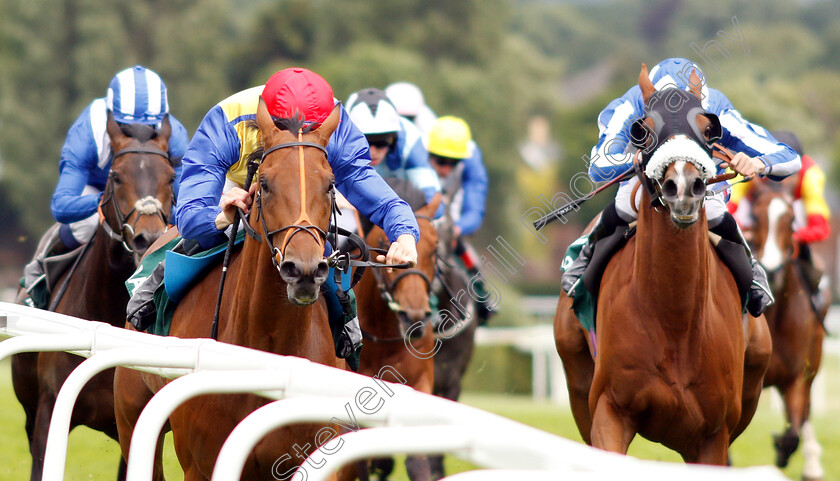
(142, 132)
(406, 191)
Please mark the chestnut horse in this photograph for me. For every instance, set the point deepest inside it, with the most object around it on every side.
(674, 360)
(274, 308)
(134, 210)
(794, 325)
(395, 315)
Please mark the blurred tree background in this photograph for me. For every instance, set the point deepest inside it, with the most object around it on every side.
(529, 76)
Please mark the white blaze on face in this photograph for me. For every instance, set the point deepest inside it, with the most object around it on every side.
(680, 179)
(772, 257)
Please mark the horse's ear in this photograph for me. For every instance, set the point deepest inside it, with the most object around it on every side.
(328, 126)
(695, 84)
(113, 128)
(264, 121)
(645, 84)
(429, 209)
(165, 128)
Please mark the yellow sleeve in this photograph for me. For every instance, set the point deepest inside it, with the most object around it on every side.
(811, 191)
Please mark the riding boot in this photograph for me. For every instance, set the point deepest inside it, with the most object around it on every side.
(141, 311)
(606, 225)
(760, 296)
(813, 277)
(35, 271)
(344, 324)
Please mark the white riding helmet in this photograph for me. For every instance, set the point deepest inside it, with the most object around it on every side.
(373, 112)
(407, 98)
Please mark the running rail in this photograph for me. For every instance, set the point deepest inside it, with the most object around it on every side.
(406, 421)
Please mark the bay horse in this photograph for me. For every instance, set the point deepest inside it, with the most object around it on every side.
(395, 315)
(794, 324)
(675, 360)
(134, 211)
(267, 307)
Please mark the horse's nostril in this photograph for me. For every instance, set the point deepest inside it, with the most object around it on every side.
(290, 271)
(698, 187)
(142, 242)
(669, 188)
(322, 271)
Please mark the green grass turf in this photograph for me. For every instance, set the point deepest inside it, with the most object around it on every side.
(94, 456)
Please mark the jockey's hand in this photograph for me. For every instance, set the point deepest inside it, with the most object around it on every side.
(746, 165)
(402, 251)
(231, 200)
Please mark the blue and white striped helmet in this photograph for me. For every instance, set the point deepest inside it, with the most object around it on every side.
(676, 72)
(137, 96)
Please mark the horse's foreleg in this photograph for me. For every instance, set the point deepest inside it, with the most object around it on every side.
(795, 397)
(714, 450)
(436, 467)
(130, 397)
(577, 363)
(25, 384)
(757, 356)
(811, 451)
(610, 430)
(38, 442)
(418, 468)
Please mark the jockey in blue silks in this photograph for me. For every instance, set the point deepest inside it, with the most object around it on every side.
(457, 161)
(758, 153)
(215, 171)
(135, 95)
(396, 144)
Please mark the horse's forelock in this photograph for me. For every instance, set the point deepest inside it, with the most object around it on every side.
(141, 132)
(289, 124)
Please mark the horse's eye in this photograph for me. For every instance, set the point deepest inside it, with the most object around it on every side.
(264, 185)
(172, 180)
(115, 178)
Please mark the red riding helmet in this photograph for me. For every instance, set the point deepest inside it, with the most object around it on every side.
(295, 92)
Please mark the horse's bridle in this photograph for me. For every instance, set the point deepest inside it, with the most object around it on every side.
(386, 288)
(145, 206)
(320, 236)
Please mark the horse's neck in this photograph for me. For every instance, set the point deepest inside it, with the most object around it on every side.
(673, 263)
(261, 316)
(376, 317)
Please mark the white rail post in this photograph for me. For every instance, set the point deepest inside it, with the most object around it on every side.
(55, 456)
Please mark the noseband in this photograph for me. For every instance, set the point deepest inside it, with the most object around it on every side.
(145, 206)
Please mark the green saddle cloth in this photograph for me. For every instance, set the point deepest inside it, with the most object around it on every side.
(181, 273)
(584, 303)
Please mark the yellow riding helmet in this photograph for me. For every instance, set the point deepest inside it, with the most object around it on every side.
(450, 137)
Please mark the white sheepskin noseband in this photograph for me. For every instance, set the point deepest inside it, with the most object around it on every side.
(677, 148)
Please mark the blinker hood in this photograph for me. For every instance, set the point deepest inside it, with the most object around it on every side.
(674, 112)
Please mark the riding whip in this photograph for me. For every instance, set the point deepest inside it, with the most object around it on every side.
(565, 209)
(253, 164)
